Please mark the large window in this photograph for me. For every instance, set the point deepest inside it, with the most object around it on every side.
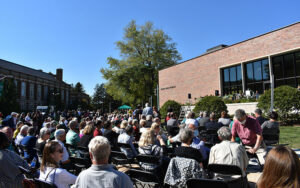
(31, 91)
(286, 69)
(23, 89)
(39, 92)
(257, 73)
(232, 80)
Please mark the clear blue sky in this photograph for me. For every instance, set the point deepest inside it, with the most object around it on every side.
(78, 35)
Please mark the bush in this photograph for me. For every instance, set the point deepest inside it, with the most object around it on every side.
(286, 103)
(211, 104)
(170, 104)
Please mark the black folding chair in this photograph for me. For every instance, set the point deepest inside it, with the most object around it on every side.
(80, 163)
(230, 170)
(43, 184)
(195, 183)
(119, 158)
(143, 178)
(28, 173)
(148, 159)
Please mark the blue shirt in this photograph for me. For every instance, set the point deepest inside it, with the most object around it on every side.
(29, 142)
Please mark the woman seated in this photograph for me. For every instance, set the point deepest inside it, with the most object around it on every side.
(50, 170)
(21, 135)
(143, 124)
(282, 169)
(10, 175)
(87, 136)
(186, 137)
(271, 126)
(147, 146)
(40, 143)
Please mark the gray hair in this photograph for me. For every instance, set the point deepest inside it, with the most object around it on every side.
(58, 133)
(186, 135)
(99, 147)
(23, 128)
(44, 131)
(239, 113)
(72, 124)
(224, 133)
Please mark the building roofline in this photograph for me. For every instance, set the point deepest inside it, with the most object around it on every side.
(36, 71)
(232, 45)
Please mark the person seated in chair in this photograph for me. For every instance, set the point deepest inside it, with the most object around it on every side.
(101, 174)
(212, 124)
(50, 171)
(185, 150)
(271, 126)
(228, 152)
(127, 138)
(29, 142)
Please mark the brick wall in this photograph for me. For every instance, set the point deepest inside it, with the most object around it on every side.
(200, 76)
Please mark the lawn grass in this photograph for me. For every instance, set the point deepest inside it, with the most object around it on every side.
(290, 135)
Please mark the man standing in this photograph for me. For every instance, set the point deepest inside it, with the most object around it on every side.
(250, 133)
(101, 174)
(147, 110)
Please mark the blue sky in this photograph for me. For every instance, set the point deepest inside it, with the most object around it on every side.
(78, 36)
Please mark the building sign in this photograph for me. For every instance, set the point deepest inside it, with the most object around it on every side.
(165, 88)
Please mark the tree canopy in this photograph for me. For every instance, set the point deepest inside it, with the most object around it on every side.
(8, 97)
(143, 51)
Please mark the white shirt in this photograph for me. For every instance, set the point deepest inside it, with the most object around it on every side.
(61, 178)
(230, 153)
(19, 138)
(65, 153)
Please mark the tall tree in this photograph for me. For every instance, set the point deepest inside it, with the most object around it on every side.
(143, 50)
(102, 100)
(78, 88)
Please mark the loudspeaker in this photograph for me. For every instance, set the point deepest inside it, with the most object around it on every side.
(189, 96)
(216, 92)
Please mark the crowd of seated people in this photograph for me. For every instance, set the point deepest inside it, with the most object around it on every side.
(178, 147)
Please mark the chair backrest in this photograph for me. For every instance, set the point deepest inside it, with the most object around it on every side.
(86, 162)
(142, 176)
(118, 154)
(271, 138)
(86, 149)
(225, 169)
(148, 159)
(195, 183)
(44, 184)
(123, 145)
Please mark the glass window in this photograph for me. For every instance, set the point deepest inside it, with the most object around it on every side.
(289, 70)
(266, 70)
(297, 62)
(257, 71)
(226, 77)
(233, 75)
(249, 71)
(291, 82)
(62, 94)
(45, 92)
(67, 97)
(239, 74)
(39, 92)
(31, 91)
(23, 89)
(279, 83)
(277, 67)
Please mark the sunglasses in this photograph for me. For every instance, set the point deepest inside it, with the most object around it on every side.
(60, 150)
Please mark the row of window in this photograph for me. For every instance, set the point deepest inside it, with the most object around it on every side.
(39, 92)
(286, 70)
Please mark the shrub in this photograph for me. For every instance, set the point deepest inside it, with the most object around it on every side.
(170, 104)
(210, 104)
(286, 102)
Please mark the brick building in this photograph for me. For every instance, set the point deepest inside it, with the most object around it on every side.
(35, 87)
(224, 69)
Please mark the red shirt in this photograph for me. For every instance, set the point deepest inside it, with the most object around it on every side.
(97, 133)
(247, 132)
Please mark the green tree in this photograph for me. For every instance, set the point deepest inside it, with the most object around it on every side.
(210, 104)
(143, 50)
(8, 98)
(78, 88)
(102, 100)
(286, 102)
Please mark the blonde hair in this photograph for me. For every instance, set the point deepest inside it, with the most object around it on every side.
(147, 138)
(88, 130)
(124, 124)
(154, 126)
(143, 123)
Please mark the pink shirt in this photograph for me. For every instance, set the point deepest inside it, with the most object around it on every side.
(247, 132)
